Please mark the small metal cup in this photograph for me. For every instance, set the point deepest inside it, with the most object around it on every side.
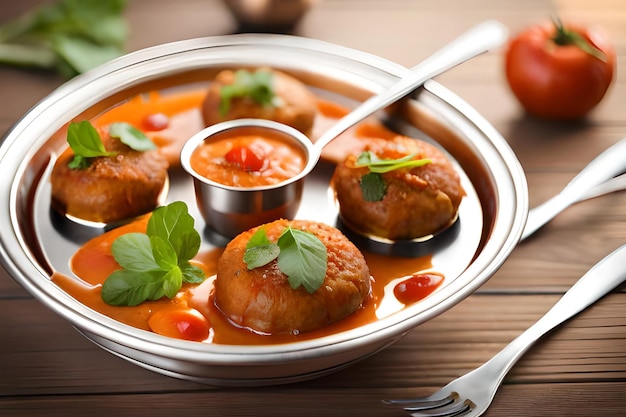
(230, 210)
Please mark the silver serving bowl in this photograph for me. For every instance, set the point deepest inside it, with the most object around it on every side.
(491, 217)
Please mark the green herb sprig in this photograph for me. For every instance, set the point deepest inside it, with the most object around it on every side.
(300, 255)
(257, 85)
(70, 36)
(156, 263)
(86, 143)
(373, 186)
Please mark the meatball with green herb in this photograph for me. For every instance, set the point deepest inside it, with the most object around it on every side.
(290, 277)
(398, 189)
(260, 94)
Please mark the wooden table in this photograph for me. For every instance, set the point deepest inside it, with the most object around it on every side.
(46, 367)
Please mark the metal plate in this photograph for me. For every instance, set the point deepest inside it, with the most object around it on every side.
(491, 216)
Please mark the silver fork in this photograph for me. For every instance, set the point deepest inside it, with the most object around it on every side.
(472, 393)
(595, 179)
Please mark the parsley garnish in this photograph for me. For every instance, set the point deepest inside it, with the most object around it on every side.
(256, 85)
(373, 186)
(156, 263)
(70, 36)
(86, 143)
(300, 255)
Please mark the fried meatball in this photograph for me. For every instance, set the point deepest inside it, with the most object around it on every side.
(297, 106)
(418, 201)
(262, 300)
(111, 189)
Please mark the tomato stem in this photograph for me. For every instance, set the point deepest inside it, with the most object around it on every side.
(564, 37)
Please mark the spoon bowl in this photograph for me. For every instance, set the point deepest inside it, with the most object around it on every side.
(230, 210)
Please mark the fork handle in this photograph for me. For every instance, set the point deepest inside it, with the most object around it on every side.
(605, 276)
(608, 164)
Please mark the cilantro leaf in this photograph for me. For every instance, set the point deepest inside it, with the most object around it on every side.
(131, 136)
(257, 85)
(373, 187)
(155, 264)
(303, 258)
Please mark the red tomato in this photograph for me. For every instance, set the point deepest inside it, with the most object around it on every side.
(553, 76)
(180, 323)
(416, 287)
(155, 122)
(245, 158)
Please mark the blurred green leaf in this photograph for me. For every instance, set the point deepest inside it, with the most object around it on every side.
(70, 36)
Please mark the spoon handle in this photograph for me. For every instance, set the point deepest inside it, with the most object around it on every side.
(479, 39)
(605, 166)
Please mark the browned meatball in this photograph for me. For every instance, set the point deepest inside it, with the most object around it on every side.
(418, 202)
(261, 299)
(111, 188)
(297, 106)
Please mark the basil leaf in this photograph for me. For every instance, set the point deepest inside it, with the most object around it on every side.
(260, 250)
(303, 258)
(259, 238)
(257, 85)
(191, 273)
(174, 224)
(82, 54)
(85, 141)
(78, 162)
(71, 36)
(172, 281)
(258, 256)
(163, 253)
(130, 288)
(131, 136)
(155, 263)
(134, 252)
(373, 187)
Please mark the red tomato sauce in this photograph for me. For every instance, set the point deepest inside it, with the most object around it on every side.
(248, 159)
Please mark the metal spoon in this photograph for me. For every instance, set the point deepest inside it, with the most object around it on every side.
(596, 179)
(232, 210)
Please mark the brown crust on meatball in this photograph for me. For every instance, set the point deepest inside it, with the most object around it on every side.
(298, 107)
(417, 203)
(261, 299)
(112, 188)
